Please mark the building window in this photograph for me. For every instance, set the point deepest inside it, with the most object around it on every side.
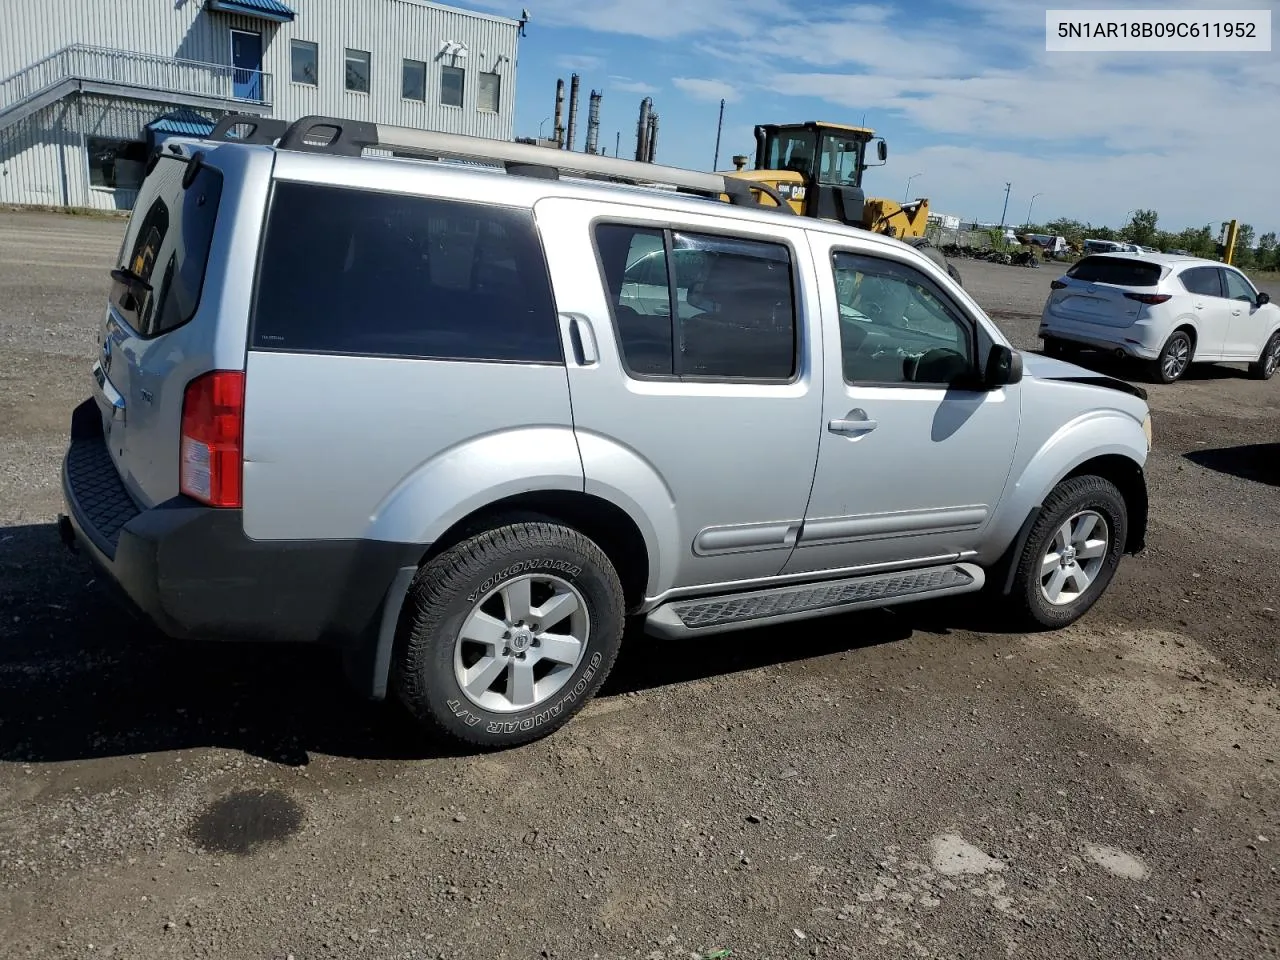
(305, 57)
(358, 70)
(414, 83)
(116, 164)
(489, 92)
(451, 82)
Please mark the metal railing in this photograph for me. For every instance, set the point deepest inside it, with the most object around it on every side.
(128, 68)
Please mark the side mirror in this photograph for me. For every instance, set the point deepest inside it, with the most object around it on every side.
(882, 151)
(1263, 298)
(1004, 367)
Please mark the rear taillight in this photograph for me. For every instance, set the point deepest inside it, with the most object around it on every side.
(1057, 284)
(213, 438)
(1148, 298)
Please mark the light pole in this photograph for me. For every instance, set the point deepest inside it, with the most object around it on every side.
(1008, 185)
(906, 195)
(1029, 206)
(540, 126)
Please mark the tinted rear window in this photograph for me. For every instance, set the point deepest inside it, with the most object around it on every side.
(166, 248)
(1117, 270)
(360, 272)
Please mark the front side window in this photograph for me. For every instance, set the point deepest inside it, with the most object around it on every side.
(895, 327)
(358, 70)
(359, 272)
(792, 150)
(488, 92)
(717, 307)
(304, 62)
(1238, 287)
(451, 84)
(414, 81)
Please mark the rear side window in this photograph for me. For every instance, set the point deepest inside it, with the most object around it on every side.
(1116, 270)
(698, 306)
(376, 274)
(158, 281)
(1206, 281)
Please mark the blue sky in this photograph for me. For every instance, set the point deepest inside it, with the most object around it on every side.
(963, 90)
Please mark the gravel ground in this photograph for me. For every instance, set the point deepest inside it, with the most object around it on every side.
(883, 785)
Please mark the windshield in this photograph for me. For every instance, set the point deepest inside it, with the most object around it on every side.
(841, 161)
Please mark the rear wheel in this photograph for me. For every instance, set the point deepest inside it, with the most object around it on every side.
(1072, 552)
(1264, 368)
(1174, 359)
(509, 634)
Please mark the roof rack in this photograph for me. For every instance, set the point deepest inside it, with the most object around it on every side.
(261, 129)
(336, 137)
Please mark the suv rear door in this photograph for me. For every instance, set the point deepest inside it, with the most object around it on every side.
(708, 419)
(1211, 310)
(156, 288)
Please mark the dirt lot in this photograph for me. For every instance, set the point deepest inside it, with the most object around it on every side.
(888, 785)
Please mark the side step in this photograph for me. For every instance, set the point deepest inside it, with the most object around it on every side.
(734, 611)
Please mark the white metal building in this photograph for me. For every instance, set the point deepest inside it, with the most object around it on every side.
(87, 87)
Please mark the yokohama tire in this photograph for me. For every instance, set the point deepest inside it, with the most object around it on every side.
(448, 593)
(1071, 498)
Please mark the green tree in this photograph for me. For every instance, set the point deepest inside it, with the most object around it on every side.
(1266, 254)
(1244, 246)
(1142, 228)
(1073, 231)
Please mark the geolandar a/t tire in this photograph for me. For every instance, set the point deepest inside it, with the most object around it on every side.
(508, 635)
(1072, 552)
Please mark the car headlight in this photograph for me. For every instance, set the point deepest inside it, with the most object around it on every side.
(1146, 429)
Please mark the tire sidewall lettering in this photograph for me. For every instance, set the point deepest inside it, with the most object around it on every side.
(547, 714)
(520, 567)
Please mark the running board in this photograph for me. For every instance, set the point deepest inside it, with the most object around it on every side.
(706, 615)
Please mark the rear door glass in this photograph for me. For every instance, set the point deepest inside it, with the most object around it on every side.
(1119, 271)
(379, 274)
(160, 275)
(1202, 280)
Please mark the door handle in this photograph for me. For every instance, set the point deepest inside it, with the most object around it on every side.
(1235, 313)
(1199, 306)
(855, 421)
(582, 338)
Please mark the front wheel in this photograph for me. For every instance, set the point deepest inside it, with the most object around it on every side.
(509, 634)
(1072, 552)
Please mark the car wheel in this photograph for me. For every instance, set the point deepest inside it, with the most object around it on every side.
(1264, 368)
(509, 634)
(1072, 552)
(1174, 359)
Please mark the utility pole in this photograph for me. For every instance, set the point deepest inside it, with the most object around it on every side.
(617, 143)
(1029, 206)
(719, 126)
(1007, 187)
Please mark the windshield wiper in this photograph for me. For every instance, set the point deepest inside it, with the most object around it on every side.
(126, 276)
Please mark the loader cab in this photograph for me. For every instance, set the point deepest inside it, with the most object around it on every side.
(830, 159)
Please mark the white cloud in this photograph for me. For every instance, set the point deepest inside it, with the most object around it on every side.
(709, 90)
(627, 85)
(657, 19)
(579, 61)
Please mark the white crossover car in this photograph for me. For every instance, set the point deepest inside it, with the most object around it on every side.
(1169, 311)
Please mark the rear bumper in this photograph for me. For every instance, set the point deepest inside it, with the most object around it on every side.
(1140, 339)
(192, 571)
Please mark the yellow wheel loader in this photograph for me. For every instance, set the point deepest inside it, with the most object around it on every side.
(817, 169)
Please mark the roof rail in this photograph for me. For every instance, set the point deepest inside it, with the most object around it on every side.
(330, 135)
(261, 129)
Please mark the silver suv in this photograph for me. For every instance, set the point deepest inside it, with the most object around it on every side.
(465, 423)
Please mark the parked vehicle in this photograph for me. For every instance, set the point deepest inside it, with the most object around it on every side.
(445, 419)
(1169, 311)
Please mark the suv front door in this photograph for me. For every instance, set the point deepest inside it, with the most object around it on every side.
(1246, 327)
(913, 457)
(704, 416)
